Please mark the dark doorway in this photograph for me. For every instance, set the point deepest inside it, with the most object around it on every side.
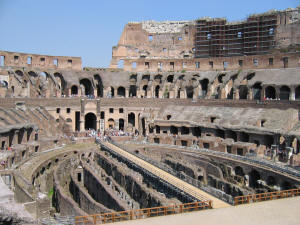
(88, 88)
(131, 119)
(77, 120)
(90, 121)
(121, 124)
(270, 92)
(284, 93)
(121, 91)
(74, 90)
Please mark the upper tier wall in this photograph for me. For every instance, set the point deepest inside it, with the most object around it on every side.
(40, 61)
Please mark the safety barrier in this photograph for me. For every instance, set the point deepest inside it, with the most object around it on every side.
(142, 213)
(266, 196)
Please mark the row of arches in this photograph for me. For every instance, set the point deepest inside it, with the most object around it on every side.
(90, 121)
(255, 177)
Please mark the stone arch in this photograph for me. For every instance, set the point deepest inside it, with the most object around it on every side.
(204, 86)
(132, 91)
(254, 176)
(184, 130)
(145, 87)
(189, 91)
(157, 91)
(284, 93)
(111, 123)
(19, 73)
(270, 92)
(90, 121)
(170, 78)
(231, 134)
(33, 74)
(61, 81)
(220, 78)
(257, 91)
(121, 91)
(131, 119)
(88, 88)
(243, 92)
(146, 77)
(158, 77)
(181, 77)
(99, 85)
(173, 130)
(239, 171)
(297, 93)
(74, 90)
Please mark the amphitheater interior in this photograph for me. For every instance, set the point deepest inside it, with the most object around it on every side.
(224, 118)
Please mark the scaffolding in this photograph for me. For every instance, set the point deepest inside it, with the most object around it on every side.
(217, 38)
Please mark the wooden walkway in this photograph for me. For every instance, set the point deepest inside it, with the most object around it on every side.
(188, 188)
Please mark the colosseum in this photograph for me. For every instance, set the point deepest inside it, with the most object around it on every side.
(190, 115)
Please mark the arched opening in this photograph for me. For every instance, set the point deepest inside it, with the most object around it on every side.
(230, 94)
(220, 78)
(32, 74)
(196, 131)
(146, 77)
(254, 176)
(286, 185)
(131, 119)
(145, 87)
(111, 123)
(173, 130)
(220, 133)
(271, 181)
(243, 92)
(244, 137)
(170, 78)
(257, 91)
(88, 88)
(189, 91)
(269, 140)
(74, 90)
(158, 77)
(121, 91)
(232, 134)
(99, 85)
(132, 91)
(284, 93)
(185, 130)
(270, 92)
(204, 86)
(157, 91)
(61, 82)
(90, 121)
(297, 93)
(19, 73)
(121, 124)
(239, 171)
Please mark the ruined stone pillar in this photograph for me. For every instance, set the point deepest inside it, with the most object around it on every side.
(292, 94)
(250, 94)
(126, 93)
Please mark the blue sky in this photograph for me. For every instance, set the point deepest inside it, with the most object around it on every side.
(89, 28)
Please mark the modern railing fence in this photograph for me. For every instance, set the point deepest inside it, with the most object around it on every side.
(142, 213)
(266, 196)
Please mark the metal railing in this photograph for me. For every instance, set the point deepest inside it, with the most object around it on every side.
(142, 213)
(266, 196)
